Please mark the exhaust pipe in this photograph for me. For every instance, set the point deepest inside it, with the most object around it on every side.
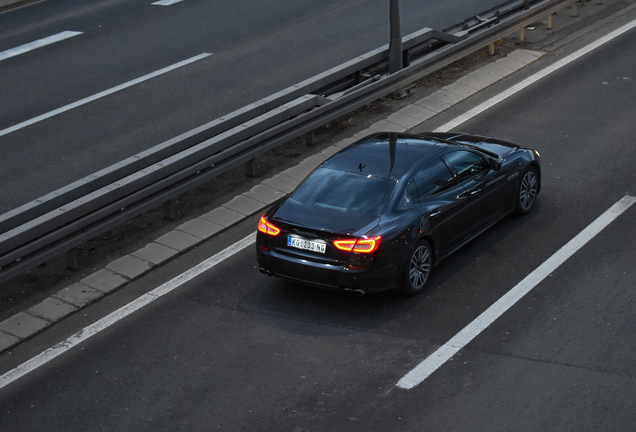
(357, 292)
(267, 272)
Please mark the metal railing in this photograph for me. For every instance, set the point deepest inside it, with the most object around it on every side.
(68, 217)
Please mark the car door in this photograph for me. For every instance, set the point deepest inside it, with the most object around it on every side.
(484, 186)
(445, 206)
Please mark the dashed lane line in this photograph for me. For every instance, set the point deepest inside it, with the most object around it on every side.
(166, 2)
(490, 315)
(38, 44)
(429, 365)
(461, 339)
(103, 94)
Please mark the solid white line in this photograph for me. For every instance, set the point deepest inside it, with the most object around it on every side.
(490, 315)
(446, 351)
(166, 2)
(534, 78)
(424, 369)
(37, 44)
(102, 94)
(123, 312)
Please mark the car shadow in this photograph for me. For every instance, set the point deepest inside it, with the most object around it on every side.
(460, 288)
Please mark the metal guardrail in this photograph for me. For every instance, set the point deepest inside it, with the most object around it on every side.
(68, 217)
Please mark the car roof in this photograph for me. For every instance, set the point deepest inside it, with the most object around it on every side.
(384, 155)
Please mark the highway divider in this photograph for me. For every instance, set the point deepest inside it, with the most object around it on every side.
(60, 221)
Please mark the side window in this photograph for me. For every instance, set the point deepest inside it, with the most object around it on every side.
(432, 178)
(467, 164)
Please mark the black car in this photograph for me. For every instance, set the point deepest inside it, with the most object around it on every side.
(382, 212)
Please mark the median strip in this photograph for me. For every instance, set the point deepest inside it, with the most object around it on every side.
(192, 233)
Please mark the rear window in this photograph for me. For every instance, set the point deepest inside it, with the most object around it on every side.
(345, 192)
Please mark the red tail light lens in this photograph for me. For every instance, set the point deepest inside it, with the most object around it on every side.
(267, 227)
(345, 245)
(367, 245)
(362, 245)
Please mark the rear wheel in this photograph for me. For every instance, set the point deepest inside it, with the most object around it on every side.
(418, 268)
(527, 193)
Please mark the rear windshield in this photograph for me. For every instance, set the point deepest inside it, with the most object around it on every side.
(345, 192)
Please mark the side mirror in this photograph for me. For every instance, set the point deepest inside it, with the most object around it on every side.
(495, 164)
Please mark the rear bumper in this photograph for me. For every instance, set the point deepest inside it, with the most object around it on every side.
(327, 276)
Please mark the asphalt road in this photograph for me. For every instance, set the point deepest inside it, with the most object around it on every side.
(235, 350)
(256, 49)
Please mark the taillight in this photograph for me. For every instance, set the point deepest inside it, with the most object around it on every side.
(267, 227)
(362, 245)
(345, 245)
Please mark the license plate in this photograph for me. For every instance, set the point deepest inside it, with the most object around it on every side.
(310, 245)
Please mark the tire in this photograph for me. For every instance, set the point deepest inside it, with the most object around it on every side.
(527, 193)
(417, 268)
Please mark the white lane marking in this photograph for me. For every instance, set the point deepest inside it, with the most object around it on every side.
(413, 378)
(490, 315)
(37, 44)
(124, 311)
(445, 352)
(534, 78)
(166, 2)
(103, 94)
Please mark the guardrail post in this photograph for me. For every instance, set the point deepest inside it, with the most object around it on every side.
(522, 34)
(550, 22)
(71, 259)
(169, 211)
(250, 168)
(406, 58)
(310, 138)
(575, 11)
(395, 37)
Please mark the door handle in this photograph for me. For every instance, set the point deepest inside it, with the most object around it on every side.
(475, 192)
(434, 213)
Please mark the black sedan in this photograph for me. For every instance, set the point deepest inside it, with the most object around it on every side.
(381, 213)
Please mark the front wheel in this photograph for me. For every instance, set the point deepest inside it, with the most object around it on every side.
(418, 268)
(527, 193)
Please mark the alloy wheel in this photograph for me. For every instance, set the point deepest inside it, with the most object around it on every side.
(528, 190)
(419, 267)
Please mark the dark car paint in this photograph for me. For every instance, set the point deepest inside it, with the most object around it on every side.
(447, 220)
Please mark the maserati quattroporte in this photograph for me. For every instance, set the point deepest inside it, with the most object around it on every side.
(381, 213)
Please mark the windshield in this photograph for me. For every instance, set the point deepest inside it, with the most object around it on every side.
(345, 192)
